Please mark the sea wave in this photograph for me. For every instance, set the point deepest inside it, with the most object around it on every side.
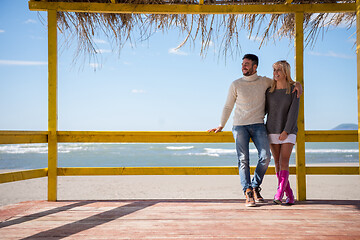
(216, 152)
(213, 152)
(180, 147)
(320, 151)
(204, 154)
(219, 151)
(24, 148)
(331, 151)
(232, 151)
(70, 148)
(41, 148)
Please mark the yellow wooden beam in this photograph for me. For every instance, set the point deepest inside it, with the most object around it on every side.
(148, 171)
(99, 171)
(94, 171)
(17, 137)
(358, 66)
(103, 171)
(52, 106)
(144, 136)
(300, 142)
(23, 175)
(331, 136)
(332, 170)
(189, 8)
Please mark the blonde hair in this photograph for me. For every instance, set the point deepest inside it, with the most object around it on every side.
(285, 68)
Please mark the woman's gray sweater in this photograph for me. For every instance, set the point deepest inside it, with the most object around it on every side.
(282, 111)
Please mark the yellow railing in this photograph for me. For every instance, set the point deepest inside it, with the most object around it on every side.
(20, 137)
(23, 137)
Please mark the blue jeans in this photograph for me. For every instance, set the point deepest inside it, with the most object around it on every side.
(242, 135)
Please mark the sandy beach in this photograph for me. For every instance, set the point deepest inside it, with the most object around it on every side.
(325, 187)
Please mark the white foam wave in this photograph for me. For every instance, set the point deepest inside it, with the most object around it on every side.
(332, 150)
(219, 151)
(204, 154)
(180, 147)
(23, 148)
(70, 148)
(41, 148)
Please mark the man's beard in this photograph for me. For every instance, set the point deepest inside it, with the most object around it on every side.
(248, 73)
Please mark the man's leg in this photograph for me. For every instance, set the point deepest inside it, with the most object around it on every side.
(260, 139)
(242, 139)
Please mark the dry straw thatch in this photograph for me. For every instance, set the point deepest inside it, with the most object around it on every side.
(222, 30)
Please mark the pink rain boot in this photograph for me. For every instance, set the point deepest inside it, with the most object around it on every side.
(283, 181)
(290, 200)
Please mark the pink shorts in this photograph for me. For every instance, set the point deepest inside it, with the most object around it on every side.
(274, 139)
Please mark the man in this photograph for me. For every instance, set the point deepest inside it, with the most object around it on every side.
(248, 93)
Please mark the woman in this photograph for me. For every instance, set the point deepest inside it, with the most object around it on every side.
(282, 107)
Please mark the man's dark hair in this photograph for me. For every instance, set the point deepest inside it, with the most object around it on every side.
(253, 58)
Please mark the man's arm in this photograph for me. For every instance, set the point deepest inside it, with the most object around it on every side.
(229, 105)
(216, 130)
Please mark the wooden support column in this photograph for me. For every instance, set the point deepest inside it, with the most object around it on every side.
(300, 143)
(358, 66)
(52, 106)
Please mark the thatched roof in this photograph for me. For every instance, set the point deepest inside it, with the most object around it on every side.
(222, 30)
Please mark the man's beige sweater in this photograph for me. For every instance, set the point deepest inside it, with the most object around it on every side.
(248, 93)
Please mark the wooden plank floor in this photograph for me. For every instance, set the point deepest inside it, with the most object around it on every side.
(180, 219)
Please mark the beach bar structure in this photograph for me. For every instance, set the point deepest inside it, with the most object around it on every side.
(52, 137)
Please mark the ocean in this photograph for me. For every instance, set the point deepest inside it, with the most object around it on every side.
(33, 156)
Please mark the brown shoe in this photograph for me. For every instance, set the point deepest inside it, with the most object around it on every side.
(258, 198)
(249, 202)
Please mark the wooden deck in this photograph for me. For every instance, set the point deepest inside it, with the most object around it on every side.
(180, 219)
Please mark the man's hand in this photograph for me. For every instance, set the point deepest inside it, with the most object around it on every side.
(215, 130)
(298, 88)
(283, 136)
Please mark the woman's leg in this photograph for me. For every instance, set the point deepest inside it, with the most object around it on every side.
(275, 150)
(286, 150)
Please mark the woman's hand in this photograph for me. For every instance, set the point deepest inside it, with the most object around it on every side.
(283, 136)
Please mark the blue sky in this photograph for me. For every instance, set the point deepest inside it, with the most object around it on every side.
(150, 86)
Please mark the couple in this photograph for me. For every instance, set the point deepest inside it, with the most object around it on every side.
(254, 97)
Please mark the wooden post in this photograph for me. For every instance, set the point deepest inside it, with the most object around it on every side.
(52, 105)
(300, 143)
(358, 66)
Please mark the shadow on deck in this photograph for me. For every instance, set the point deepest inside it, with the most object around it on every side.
(180, 219)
